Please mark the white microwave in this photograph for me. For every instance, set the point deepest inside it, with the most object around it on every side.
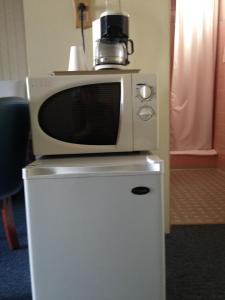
(76, 114)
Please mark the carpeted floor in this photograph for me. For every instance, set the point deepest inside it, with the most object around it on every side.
(14, 269)
(195, 260)
(197, 196)
(195, 257)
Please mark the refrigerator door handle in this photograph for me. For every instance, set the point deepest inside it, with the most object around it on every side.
(141, 190)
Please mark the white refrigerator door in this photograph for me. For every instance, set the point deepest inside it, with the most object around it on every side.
(91, 238)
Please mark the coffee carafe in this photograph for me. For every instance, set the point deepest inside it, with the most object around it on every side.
(111, 43)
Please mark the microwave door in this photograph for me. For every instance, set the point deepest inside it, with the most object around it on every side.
(85, 115)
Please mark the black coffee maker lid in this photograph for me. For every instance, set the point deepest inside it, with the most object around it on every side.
(114, 25)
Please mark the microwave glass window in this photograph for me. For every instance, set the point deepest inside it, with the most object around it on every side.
(87, 115)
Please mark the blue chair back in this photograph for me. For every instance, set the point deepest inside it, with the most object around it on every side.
(14, 132)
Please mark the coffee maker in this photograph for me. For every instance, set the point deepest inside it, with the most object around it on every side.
(111, 43)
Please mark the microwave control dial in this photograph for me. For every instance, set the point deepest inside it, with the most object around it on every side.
(144, 92)
(145, 113)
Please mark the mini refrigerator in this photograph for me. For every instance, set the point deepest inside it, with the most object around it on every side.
(95, 227)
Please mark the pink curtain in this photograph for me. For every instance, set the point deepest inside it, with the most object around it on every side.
(192, 84)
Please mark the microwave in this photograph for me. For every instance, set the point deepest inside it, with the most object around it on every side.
(75, 114)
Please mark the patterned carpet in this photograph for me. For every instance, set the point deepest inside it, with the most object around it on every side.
(197, 196)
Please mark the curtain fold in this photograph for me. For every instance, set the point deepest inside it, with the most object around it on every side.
(192, 85)
(13, 62)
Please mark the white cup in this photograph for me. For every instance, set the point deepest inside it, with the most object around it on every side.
(77, 59)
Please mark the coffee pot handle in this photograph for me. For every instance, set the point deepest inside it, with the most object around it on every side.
(131, 47)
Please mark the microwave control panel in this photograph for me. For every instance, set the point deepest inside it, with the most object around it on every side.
(145, 118)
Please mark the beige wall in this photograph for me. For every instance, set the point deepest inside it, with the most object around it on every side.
(50, 31)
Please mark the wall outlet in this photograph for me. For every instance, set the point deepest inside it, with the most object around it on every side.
(87, 13)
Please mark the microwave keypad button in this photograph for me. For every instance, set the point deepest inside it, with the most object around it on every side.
(145, 113)
(145, 92)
